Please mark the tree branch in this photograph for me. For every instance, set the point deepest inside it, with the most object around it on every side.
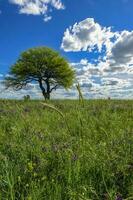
(54, 88)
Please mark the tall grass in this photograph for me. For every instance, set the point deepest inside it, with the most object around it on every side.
(65, 150)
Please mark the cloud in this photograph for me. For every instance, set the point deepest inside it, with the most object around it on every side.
(101, 80)
(122, 49)
(113, 81)
(112, 72)
(38, 7)
(32, 9)
(87, 35)
(93, 85)
(47, 18)
(31, 89)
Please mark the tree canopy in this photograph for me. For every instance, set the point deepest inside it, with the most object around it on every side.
(44, 66)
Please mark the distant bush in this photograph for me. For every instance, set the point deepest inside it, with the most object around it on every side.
(27, 97)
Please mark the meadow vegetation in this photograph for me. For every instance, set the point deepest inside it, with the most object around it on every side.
(86, 154)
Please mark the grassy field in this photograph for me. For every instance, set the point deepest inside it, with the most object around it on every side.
(86, 154)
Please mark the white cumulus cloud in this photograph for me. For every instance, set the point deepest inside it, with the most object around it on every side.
(122, 49)
(87, 35)
(90, 36)
(38, 7)
(112, 72)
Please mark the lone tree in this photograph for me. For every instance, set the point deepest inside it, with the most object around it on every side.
(44, 66)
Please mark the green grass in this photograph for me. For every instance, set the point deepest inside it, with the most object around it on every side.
(85, 155)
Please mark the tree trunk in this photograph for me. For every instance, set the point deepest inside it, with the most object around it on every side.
(46, 93)
(48, 89)
(47, 96)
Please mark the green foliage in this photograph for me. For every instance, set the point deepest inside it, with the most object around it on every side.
(41, 159)
(44, 66)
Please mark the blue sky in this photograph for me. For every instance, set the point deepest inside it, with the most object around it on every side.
(102, 66)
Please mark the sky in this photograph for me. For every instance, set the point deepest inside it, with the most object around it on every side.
(95, 36)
